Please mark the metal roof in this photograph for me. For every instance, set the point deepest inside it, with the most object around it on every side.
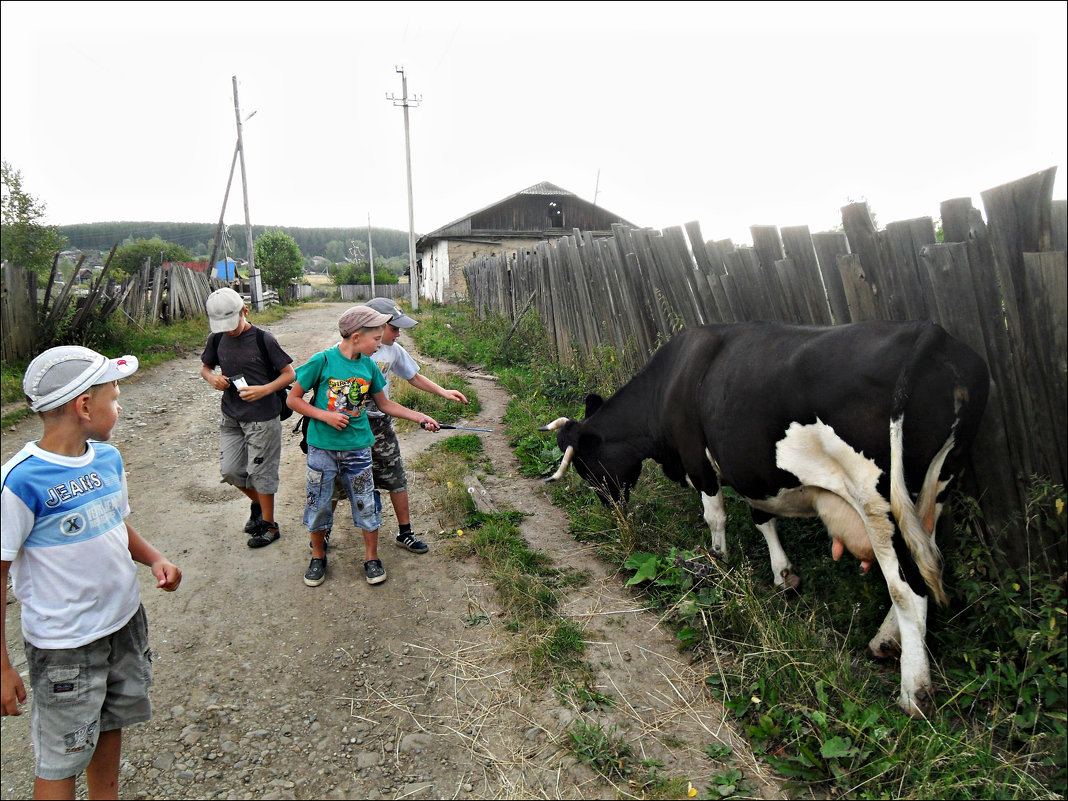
(544, 188)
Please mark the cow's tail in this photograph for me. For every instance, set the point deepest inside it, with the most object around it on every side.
(920, 541)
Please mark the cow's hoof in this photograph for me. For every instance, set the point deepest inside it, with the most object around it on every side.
(886, 652)
(791, 582)
(920, 704)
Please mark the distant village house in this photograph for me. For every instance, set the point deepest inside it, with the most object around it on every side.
(540, 212)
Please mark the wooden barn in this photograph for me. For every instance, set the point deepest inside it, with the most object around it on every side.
(539, 212)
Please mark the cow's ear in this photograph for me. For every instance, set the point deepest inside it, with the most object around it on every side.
(593, 403)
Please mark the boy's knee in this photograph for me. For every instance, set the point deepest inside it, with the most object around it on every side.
(264, 485)
(235, 480)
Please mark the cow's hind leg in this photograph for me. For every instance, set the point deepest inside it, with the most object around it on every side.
(715, 513)
(909, 612)
(781, 569)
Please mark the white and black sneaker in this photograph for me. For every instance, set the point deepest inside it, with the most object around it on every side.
(410, 542)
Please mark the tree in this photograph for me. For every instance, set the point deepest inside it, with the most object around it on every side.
(24, 241)
(334, 251)
(130, 258)
(278, 258)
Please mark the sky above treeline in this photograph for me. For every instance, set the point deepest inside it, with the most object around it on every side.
(731, 114)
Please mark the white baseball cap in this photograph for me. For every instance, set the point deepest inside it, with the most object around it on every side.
(63, 373)
(224, 310)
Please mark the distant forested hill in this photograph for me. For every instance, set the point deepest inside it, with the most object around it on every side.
(198, 237)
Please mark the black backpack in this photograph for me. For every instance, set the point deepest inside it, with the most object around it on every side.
(282, 394)
(302, 426)
(304, 420)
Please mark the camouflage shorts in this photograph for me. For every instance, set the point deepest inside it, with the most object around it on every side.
(387, 465)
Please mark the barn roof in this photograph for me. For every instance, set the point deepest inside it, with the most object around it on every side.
(463, 225)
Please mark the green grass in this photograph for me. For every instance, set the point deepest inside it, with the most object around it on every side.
(582, 696)
(441, 409)
(790, 672)
(608, 754)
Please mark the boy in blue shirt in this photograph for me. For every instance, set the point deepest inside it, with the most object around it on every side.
(64, 537)
(339, 437)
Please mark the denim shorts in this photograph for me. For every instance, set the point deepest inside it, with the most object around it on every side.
(80, 692)
(352, 470)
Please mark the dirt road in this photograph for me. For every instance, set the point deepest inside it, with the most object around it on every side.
(266, 688)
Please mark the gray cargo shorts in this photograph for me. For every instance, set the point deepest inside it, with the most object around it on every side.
(80, 692)
(250, 453)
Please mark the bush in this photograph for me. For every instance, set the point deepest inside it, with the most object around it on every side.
(360, 275)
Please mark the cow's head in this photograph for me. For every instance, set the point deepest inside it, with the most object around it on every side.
(602, 462)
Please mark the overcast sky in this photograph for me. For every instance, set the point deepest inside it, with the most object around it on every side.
(731, 114)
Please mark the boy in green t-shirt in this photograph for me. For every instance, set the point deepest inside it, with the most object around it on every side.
(339, 436)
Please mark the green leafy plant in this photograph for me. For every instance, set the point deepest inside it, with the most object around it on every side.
(131, 257)
(26, 241)
(604, 751)
(582, 696)
(278, 257)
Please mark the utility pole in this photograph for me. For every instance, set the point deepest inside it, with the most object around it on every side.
(597, 186)
(222, 214)
(371, 254)
(253, 275)
(405, 102)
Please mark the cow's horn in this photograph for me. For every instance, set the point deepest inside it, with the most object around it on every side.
(563, 464)
(555, 424)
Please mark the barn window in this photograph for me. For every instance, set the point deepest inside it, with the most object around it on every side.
(556, 215)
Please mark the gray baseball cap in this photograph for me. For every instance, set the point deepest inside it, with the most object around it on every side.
(63, 373)
(387, 306)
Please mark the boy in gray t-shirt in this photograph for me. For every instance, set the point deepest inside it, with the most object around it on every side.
(389, 472)
(250, 429)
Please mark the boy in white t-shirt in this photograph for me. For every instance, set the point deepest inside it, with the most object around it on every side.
(71, 554)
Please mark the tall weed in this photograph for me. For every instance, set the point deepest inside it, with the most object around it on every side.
(789, 670)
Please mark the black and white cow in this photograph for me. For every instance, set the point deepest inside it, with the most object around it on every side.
(863, 425)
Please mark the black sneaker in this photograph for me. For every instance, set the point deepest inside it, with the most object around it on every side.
(374, 571)
(266, 533)
(409, 542)
(255, 517)
(316, 572)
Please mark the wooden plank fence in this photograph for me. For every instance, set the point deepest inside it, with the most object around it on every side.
(358, 292)
(998, 284)
(150, 295)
